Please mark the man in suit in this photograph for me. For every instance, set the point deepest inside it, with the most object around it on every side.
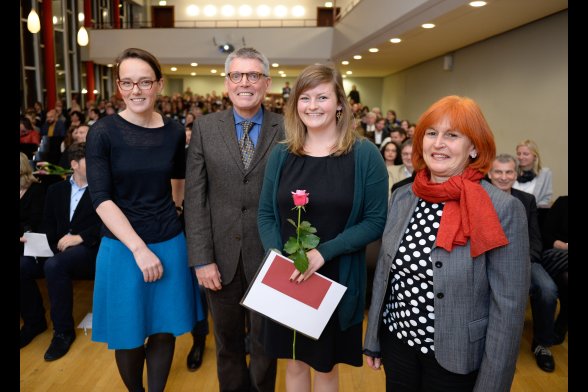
(73, 232)
(543, 290)
(54, 128)
(221, 200)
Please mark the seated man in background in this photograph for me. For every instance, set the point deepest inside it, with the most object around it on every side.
(73, 231)
(543, 290)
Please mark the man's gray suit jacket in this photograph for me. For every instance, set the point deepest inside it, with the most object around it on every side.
(221, 197)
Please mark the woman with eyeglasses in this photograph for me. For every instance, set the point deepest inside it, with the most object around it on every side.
(144, 294)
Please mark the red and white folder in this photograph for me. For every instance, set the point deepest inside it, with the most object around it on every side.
(305, 307)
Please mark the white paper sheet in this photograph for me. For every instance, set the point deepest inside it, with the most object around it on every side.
(287, 310)
(37, 245)
(86, 323)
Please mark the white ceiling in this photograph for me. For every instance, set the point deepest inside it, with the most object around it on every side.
(371, 23)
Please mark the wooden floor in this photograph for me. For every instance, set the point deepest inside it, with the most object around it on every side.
(89, 366)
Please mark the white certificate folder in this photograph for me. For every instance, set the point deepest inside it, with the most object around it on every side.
(305, 307)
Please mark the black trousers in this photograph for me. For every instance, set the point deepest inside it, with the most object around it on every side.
(76, 262)
(409, 370)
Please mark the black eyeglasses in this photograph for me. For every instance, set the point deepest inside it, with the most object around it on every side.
(127, 85)
(252, 77)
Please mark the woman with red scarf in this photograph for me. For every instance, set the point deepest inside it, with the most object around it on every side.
(452, 279)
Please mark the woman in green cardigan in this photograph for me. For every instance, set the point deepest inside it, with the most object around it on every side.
(347, 182)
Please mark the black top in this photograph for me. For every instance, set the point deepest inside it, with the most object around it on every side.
(330, 182)
(133, 166)
(409, 312)
(330, 199)
(31, 208)
(555, 226)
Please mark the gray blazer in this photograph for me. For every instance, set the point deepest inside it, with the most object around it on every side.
(221, 197)
(479, 319)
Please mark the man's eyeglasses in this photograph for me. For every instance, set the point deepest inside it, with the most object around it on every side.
(252, 77)
(127, 85)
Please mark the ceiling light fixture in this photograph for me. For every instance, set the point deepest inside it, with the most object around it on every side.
(477, 3)
(83, 38)
(427, 25)
(33, 22)
(374, 50)
(395, 40)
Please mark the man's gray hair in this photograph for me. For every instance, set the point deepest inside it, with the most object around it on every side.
(247, 53)
(505, 158)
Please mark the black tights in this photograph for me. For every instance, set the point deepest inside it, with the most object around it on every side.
(159, 353)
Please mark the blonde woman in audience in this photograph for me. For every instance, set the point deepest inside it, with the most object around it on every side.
(533, 178)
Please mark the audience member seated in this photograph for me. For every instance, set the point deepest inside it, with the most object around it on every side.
(368, 124)
(399, 173)
(29, 138)
(555, 259)
(391, 121)
(55, 131)
(398, 135)
(32, 199)
(532, 176)
(78, 135)
(543, 290)
(31, 114)
(379, 134)
(73, 231)
(391, 153)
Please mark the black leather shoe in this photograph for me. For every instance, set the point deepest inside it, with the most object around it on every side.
(60, 345)
(544, 358)
(196, 353)
(27, 334)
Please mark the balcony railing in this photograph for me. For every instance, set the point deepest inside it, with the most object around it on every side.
(223, 23)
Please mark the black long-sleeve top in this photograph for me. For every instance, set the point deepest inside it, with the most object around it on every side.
(133, 166)
(555, 226)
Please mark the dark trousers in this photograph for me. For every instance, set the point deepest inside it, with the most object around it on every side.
(409, 370)
(201, 327)
(543, 293)
(229, 319)
(77, 262)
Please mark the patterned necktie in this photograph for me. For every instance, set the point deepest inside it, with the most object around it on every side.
(246, 145)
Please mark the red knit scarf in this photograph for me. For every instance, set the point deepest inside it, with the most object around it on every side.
(468, 212)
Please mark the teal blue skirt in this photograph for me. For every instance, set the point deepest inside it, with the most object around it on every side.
(126, 309)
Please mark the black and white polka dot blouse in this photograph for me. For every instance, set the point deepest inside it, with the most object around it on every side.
(409, 312)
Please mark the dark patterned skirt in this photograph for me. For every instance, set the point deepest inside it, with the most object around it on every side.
(555, 261)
